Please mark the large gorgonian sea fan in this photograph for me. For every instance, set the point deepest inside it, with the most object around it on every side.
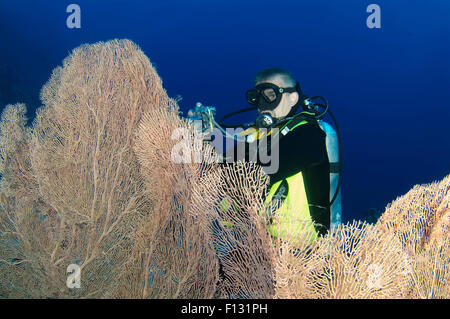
(97, 181)
(84, 194)
(72, 190)
(405, 254)
(421, 221)
(175, 242)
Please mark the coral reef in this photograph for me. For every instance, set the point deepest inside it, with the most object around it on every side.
(420, 220)
(95, 182)
(72, 190)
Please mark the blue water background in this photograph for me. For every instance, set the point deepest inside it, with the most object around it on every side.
(389, 88)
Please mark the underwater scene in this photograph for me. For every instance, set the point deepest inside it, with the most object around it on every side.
(292, 149)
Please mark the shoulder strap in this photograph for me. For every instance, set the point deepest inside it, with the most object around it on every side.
(298, 120)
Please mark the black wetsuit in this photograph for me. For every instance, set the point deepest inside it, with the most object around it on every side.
(304, 149)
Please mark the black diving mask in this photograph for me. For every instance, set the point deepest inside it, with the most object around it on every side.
(267, 96)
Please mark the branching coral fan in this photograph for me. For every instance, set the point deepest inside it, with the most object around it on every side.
(93, 183)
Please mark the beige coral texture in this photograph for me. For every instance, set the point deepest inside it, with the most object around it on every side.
(93, 183)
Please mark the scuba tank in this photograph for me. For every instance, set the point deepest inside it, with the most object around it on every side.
(333, 157)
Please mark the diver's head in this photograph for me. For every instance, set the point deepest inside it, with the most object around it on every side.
(275, 93)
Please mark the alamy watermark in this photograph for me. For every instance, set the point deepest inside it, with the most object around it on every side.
(374, 19)
(73, 21)
(74, 278)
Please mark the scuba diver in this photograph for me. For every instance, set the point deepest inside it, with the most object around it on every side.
(307, 178)
(302, 180)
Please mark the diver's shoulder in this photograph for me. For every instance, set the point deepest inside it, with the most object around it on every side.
(309, 126)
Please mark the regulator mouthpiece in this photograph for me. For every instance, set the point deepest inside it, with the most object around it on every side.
(264, 121)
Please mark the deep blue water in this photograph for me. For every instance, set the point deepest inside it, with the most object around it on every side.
(389, 88)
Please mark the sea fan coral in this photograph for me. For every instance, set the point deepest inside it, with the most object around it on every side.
(405, 255)
(72, 190)
(174, 243)
(421, 221)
